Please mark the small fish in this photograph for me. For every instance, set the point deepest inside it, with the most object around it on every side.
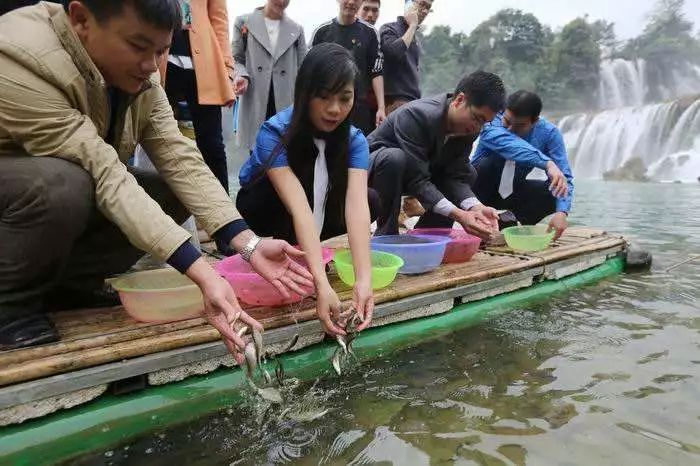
(305, 416)
(266, 375)
(342, 342)
(258, 340)
(292, 343)
(268, 394)
(279, 372)
(335, 361)
(251, 358)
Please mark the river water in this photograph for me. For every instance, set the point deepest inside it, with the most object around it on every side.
(607, 374)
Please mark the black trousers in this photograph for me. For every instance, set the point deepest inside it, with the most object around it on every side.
(389, 178)
(364, 118)
(182, 84)
(266, 215)
(530, 202)
(56, 248)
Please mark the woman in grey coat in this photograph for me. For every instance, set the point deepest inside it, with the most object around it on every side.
(268, 48)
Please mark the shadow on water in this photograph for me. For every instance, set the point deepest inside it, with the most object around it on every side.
(607, 374)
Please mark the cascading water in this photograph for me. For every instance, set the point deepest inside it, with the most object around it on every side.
(622, 83)
(683, 147)
(632, 83)
(662, 137)
(665, 137)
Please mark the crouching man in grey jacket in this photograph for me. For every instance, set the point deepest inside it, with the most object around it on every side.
(422, 150)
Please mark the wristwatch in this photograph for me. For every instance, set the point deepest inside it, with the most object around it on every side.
(249, 248)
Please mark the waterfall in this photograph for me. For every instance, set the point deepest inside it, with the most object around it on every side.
(571, 127)
(683, 147)
(622, 83)
(665, 137)
(687, 128)
(632, 83)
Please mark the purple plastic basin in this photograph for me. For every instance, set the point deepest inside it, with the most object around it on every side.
(420, 253)
(462, 245)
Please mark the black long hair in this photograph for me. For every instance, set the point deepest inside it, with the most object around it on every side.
(327, 69)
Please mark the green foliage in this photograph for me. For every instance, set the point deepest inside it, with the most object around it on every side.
(526, 54)
(666, 43)
(574, 62)
(564, 66)
(667, 38)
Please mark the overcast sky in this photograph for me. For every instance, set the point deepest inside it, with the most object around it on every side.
(629, 16)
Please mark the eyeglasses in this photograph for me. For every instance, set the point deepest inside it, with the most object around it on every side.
(480, 119)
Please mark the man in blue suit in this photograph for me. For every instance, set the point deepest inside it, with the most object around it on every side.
(510, 148)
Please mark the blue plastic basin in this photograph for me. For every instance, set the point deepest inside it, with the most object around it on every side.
(420, 253)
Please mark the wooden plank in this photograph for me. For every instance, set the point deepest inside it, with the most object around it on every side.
(588, 246)
(567, 249)
(564, 268)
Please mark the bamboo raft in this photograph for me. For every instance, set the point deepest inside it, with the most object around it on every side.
(103, 349)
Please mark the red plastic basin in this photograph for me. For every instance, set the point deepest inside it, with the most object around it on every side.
(461, 248)
(253, 289)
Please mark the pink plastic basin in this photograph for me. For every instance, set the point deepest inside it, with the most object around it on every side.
(253, 289)
(461, 248)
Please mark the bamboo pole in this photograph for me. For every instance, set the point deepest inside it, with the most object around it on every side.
(691, 258)
(22, 355)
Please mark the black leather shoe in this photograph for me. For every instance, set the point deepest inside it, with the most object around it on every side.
(22, 332)
(63, 299)
(506, 219)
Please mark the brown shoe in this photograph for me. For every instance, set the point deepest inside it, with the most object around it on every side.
(412, 207)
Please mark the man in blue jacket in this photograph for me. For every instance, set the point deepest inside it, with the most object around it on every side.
(510, 148)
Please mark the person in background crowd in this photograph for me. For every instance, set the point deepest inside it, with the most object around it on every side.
(510, 147)
(361, 40)
(420, 151)
(369, 11)
(200, 71)
(71, 212)
(268, 48)
(306, 179)
(402, 51)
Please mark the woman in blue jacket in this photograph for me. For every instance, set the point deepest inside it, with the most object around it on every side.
(306, 179)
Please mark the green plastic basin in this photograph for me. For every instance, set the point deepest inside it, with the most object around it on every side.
(528, 238)
(384, 268)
